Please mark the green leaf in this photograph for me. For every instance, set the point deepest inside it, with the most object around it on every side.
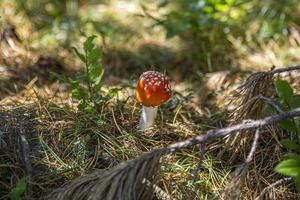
(290, 156)
(266, 30)
(73, 83)
(97, 87)
(113, 92)
(284, 90)
(295, 102)
(65, 79)
(80, 55)
(78, 93)
(95, 73)
(287, 125)
(289, 144)
(222, 7)
(60, 77)
(289, 167)
(95, 55)
(18, 190)
(86, 108)
(88, 44)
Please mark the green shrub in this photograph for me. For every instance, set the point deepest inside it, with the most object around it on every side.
(205, 24)
(290, 165)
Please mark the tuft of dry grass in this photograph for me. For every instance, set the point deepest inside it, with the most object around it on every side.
(257, 84)
(133, 180)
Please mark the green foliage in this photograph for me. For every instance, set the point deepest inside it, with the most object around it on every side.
(60, 22)
(273, 17)
(88, 90)
(200, 17)
(284, 90)
(290, 165)
(226, 15)
(204, 25)
(207, 23)
(17, 192)
(57, 20)
(289, 144)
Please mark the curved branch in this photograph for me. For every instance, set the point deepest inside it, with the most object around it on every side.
(245, 125)
(284, 69)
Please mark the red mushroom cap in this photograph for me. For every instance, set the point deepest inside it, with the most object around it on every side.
(152, 89)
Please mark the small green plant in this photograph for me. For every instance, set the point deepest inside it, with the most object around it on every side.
(290, 165)
(17, 192)
(93, 71)
(87, 89)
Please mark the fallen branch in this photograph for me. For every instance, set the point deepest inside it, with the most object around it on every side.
(266, 189)
(245, 125)
(129, 179)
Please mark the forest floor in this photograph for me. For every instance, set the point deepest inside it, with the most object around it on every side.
(62, 142)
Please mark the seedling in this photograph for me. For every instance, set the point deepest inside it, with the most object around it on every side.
(87, 90)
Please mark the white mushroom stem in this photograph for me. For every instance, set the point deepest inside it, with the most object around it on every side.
(147, 117)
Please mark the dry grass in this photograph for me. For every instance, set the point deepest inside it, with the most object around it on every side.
(66, 143)
(261, 56)
(54, 127)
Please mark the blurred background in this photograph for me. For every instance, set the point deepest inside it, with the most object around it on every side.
(180, 37)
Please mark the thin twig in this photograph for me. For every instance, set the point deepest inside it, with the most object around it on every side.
(284, 69)
(115, 121)
(266, 189)
(195, 173)
(253, 147)
(27, 163)
(242, 169)
(268, 101)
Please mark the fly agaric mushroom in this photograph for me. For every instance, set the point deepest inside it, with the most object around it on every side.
(152, 90)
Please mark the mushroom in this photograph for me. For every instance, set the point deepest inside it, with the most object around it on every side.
(152, 90)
